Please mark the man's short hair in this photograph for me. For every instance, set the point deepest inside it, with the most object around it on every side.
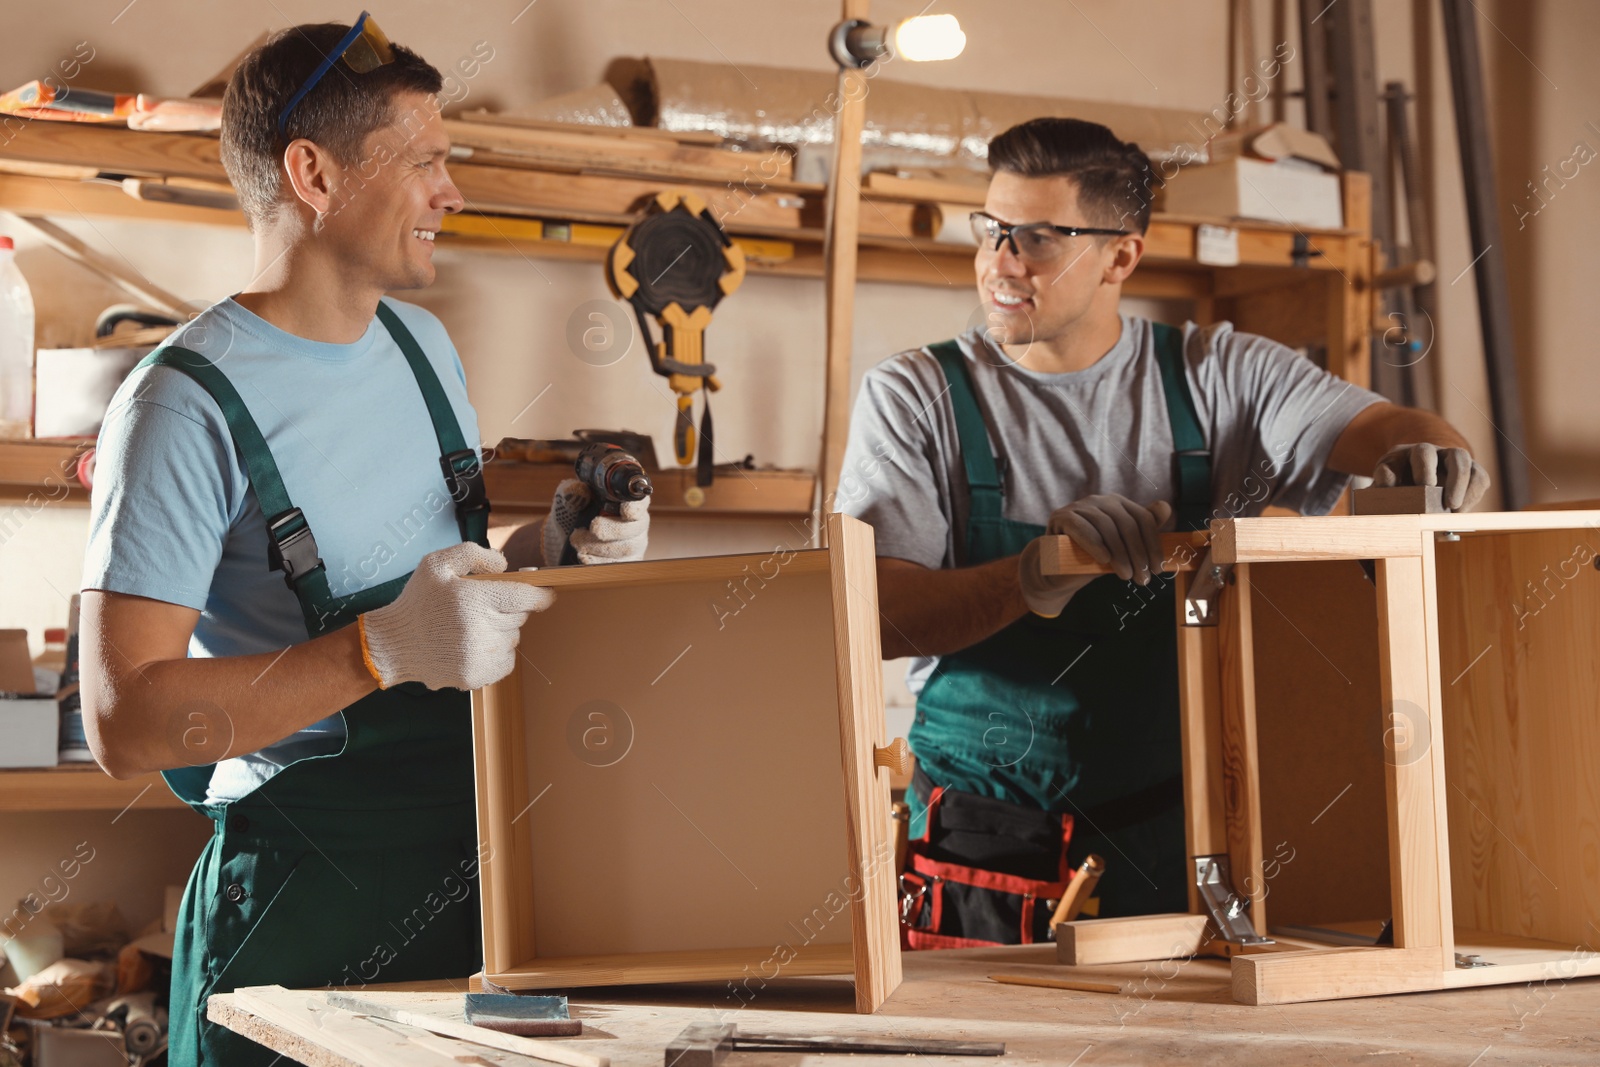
(337, 114)
(1115, 180)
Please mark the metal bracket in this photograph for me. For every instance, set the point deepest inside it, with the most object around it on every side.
(1228, 910)
(1202, 603)
(1301, 252)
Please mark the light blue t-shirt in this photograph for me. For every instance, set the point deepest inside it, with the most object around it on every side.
(173, 517)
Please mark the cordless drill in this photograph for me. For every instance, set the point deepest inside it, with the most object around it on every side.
(612, 477)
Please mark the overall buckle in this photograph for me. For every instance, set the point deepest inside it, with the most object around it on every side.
(293, 552)
(463, 478)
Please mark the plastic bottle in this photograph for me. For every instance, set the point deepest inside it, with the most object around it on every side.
(16, 347)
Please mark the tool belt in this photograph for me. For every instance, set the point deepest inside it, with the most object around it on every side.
(985, 871)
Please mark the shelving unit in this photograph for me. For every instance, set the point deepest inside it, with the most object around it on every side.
(81, 787)
(1300, 283)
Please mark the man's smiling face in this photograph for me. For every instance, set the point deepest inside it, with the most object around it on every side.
(390, 204)
(1025, 301)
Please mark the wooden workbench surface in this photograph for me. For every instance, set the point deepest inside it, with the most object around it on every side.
(1171, 1013)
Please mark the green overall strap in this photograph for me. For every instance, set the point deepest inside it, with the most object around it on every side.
(1191, 460)
(983, 477)
(463, 472)
(291, 547)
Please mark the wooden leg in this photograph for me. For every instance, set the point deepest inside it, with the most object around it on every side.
(1408, 655)
(1240, 757)
(1200, 699)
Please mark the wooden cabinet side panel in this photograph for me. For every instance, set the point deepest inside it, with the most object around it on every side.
(875, 926)
(504, 856)
(1518, 617)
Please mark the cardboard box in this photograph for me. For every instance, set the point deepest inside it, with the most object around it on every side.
(1290, 193)
(29, 729)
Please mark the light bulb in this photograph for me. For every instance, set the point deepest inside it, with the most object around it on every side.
(929, 37)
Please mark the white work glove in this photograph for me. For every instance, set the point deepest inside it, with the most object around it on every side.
(1465, 480)
(447, 632)
(609, 538)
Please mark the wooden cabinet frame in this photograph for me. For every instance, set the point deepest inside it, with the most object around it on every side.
(754, 775)
(1514, 736)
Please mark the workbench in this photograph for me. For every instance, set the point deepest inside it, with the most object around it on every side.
(1171, 1012)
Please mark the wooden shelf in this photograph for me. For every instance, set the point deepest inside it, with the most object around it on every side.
(39, 473)
(528, 487)
(47, 470)
(65, 169)
(82, 787)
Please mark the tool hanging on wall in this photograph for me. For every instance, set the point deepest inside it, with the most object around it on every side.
(675, 265)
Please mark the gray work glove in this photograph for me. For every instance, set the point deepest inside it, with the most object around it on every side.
(447, 632)
(1465, 480)
(1114, 530)
(608, 539)
(1046, 594)
(1117, 532)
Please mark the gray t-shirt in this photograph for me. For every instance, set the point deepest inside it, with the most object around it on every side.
(1270, 418)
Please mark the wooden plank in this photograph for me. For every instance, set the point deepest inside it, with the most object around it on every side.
(1332, 973)
(928, 190)
(1091, 942)
(542, 1050)
(307, 1016)
(839, 271)
(529, 488)
(858, 656)
(695, 965)
(1063, 555)
(1286, 538)
(124, 277)
(1240, 758)
(1419, 898)
(654, 571)
(82, 787)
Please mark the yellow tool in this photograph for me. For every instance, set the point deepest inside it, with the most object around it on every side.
(676, 264)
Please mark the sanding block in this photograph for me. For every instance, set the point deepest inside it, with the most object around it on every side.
(526, 1015)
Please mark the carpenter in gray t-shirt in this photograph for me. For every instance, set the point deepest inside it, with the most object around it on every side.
(1270, 418)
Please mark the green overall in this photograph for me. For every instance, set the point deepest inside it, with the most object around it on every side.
(344, 869)
(1078, 713)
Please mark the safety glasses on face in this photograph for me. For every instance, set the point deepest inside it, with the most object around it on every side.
(365, 48)
(1032, 242)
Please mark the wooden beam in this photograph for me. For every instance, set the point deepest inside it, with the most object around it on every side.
(1332, 973)
(1241, 759)
(1089, 942)
(1281, 538)
(1419, 890)
(1063, 555)
(126, 278)
(839, 271)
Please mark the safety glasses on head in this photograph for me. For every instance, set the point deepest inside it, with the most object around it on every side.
(365, 48)
(1032, 242)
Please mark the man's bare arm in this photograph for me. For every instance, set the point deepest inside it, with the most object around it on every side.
(148, 707)
(1380, 427)
(935, 612)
